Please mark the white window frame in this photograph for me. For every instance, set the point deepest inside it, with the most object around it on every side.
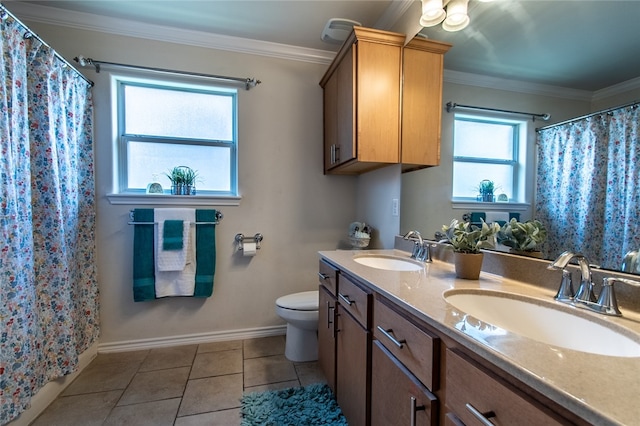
(518, 200)
(124, 195)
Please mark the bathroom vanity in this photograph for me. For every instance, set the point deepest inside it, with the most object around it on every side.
(409, 357)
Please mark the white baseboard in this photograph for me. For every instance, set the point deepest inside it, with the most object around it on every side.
(191, 339)
(51, 390)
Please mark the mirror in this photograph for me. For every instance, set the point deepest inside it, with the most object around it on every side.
(535, 48)
(426, 194)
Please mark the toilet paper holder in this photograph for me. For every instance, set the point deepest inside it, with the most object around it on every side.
(240, 239)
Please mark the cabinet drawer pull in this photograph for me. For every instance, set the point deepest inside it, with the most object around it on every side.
(323, 276)
(346, 299)
(414, 410)
(387, 333)
(482, 417)
(330, 313)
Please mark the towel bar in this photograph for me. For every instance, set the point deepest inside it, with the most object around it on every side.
(219, 217)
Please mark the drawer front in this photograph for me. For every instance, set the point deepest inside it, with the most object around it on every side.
(355, 300)
(471, 393)
(397, 396)
(328, 277)
(417, 349)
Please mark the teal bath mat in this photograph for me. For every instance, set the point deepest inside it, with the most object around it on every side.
(313, 405)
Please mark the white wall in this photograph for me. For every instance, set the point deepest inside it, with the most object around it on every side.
(285, 195)
(376, 192)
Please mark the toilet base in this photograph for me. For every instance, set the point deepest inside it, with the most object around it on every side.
(301, 345)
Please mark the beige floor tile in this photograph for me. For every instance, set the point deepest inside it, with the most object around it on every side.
(216, 364)
(215, 418)
(79, 410)
(155, 413)
(270, 369)
(156, 385)
(219, 346)
(265, 346)
(211, 394)
(177, 356)
(309, 373)
(132, 357)
(273, 386)
(102, 377)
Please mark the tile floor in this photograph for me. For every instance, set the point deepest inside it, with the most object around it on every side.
(182, 386)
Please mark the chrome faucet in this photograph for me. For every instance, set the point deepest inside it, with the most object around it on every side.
(421, 248)
(585, 289)
(606, 303)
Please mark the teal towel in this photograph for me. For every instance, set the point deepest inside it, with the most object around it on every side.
(144, 287)
(172, 235)
(205, 253)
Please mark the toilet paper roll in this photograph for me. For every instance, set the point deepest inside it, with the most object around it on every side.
(249, 249)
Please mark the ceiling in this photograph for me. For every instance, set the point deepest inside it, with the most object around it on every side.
(588, 45)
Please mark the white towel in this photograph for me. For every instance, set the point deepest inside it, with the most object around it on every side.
(495, 216)
(180, 282)
(171, 260)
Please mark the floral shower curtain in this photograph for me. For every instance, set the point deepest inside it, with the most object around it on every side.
(588, 186)
(48, 288)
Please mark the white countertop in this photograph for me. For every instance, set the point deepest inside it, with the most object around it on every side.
(600, 389)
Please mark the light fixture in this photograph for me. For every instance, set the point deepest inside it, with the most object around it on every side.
(455, 16)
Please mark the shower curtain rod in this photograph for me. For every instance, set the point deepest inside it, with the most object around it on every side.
(4, 12)
(452, 105)
(83, 61)
(604, 111)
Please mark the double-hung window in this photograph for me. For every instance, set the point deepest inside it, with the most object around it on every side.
(489, 149)
(163, 125)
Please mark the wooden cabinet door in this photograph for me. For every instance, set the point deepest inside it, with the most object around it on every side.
(326, 336)
(330, 118)
(422, 69)
(397, 396)
(352, 369)
(345, 110)
(378, 101)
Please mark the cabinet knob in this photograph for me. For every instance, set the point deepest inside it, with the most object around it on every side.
(323, 276)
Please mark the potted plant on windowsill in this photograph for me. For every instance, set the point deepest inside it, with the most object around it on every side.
(467, 240)
(486, 189)
(523, 237)
(183, 180)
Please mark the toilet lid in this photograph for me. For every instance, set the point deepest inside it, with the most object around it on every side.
(305, 301)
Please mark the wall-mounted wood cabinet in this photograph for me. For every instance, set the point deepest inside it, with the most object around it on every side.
(377, 93)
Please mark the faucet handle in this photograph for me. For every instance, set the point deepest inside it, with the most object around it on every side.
(565, 292)
(607, 302)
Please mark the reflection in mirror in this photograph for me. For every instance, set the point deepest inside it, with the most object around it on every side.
(572, 222)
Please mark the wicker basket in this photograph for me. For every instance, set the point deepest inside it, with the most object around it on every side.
(359, 242)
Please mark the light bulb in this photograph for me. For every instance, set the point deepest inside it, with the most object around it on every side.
(432, 13)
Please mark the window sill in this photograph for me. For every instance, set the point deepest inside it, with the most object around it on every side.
(480, 206)
(173, 200)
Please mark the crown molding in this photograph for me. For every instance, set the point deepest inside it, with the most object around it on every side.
(617, 89)
(458, 77)
(109, 25)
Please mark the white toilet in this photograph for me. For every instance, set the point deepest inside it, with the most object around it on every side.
(300, 311)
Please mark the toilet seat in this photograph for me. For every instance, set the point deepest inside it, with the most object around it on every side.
(303, 301)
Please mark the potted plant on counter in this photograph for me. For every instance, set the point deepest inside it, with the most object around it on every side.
(523, 237)
(467, 240)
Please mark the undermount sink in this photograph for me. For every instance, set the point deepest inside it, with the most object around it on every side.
(388, 262)
(546, 322)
